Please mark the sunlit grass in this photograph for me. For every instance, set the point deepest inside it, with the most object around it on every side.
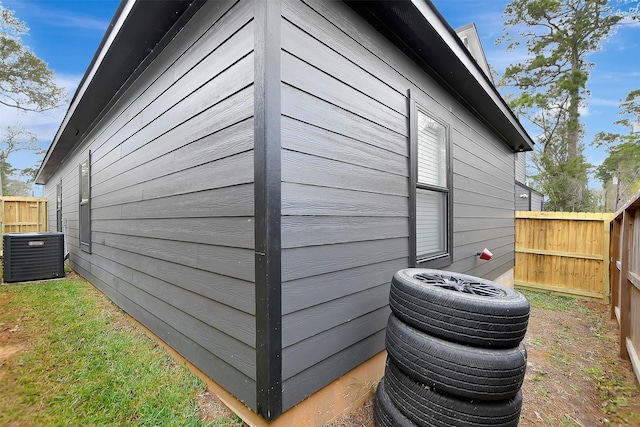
(82, 362)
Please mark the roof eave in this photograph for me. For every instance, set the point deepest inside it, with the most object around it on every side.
(423, 33)
(133, 37)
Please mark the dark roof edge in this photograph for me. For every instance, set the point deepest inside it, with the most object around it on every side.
(115, 65)
(422, 32)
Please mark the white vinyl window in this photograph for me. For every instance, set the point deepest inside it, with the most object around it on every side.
(432, 191)
(85, 204)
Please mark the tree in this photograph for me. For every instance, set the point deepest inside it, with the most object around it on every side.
(620, 171)
(26, 82)
(16, 139)
(551, 85)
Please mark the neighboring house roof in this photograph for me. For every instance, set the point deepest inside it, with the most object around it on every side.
(525, 186)
(140, 28)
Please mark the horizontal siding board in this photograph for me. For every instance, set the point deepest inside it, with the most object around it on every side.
(225, 317)
(207, 96)
(304, 138)
(313, 51)
(484, 170)
(310, 109)
(157, 75)
(469, 134)
(475, 241)
(227, 172)
(324, 345)
(311, 170)
(229, 201)
(467, 185)
(498, 200)
(332, 35)
(237, 354)
(233, 262)
(501, 262)
(159, 160)
(300, 199)
(311, 321)
(110, 212)
(480, 223)
(464, 210)
(220, 261)
(226, 24)
(310, 291)
(173, 85)
(299, 231)
(227, 290)
(315, 260)
(173, 251)
(481, 181)
(322, 373)
(212, 136)
(241, 385)
(225, 231)
(310, 79)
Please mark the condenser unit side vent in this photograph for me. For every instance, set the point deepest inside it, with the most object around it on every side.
(33, 256)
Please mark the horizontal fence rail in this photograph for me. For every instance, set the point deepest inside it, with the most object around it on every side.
(563, 252)
(22, 215)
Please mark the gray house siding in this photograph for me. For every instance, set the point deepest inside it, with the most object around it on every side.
(345, 188)
(252, 184)
(537, 201)
(172, 197)
(521, 167)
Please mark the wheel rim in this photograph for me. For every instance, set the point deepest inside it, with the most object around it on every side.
(458, 284)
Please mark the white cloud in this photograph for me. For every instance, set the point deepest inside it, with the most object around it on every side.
(77, 21)
(43, 124)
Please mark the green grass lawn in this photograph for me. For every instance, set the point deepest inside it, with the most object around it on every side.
(70, 357)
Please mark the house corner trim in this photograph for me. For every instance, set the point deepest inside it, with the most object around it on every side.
(267, 184)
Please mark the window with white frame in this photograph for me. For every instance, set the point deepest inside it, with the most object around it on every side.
(59, 206)
(85, 204)
(432, 197)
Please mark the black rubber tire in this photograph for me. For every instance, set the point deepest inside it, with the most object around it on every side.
(426, 408)
(384, 413)
(446, 367)
(493, 317)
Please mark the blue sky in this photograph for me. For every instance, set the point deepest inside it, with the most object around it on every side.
(66, 34)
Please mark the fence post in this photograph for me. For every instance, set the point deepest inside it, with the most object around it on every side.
(625, 297)
(606, 256)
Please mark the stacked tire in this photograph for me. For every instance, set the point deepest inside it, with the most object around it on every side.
(455, 352)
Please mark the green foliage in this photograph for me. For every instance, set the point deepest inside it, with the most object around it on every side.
(15, 139)
(620, 171)
(550, 301)
(550, 86)
(563, 180)
(26, 82)
(84, 364)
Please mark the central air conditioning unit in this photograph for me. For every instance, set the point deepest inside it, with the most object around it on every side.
(33, 256)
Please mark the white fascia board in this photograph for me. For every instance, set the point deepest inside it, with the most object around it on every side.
(465, 57)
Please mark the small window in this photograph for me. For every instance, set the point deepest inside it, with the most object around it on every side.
(432, 191)
(59, 207)
(85, 204)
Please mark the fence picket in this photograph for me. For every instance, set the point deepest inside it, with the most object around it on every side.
(563, 252)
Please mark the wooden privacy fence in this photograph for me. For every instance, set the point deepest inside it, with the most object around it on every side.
(625, 279)
(563, 252)
(23, 215)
